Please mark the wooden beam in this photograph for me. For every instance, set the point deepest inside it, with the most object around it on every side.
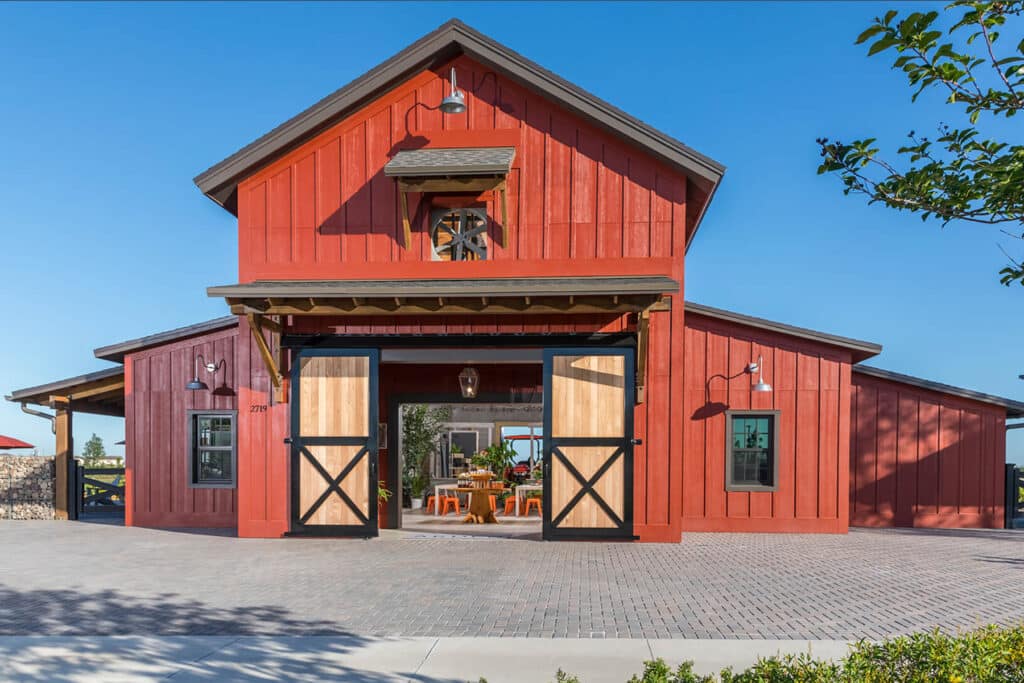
(111, 385)
(642, 342)
(64, 499)
(466, 184)
(459, 305)
(505, 227)
(403, 199)
(256, 326)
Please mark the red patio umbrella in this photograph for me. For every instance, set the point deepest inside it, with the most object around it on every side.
(11, 442)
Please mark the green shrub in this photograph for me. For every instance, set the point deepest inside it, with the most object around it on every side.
(988, 655)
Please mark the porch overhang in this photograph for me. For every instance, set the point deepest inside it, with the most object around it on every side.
(99, 393)
(515, 296)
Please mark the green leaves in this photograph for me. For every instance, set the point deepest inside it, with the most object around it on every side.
(958, 176)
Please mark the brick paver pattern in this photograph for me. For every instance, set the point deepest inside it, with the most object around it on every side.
(77, 578)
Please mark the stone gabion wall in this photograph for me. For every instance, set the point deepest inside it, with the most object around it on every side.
(26, 487)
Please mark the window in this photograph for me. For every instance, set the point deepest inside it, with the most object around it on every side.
(752, 442)
(459, 234)
(212, 449)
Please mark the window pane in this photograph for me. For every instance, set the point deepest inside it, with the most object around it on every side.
(213, 466)
(213, 430)
(751, 450)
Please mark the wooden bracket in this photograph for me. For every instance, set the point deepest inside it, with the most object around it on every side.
(643, 335)
(403, 199)
(642, 339)
(257, 323)
(505, 228)
(452, 185)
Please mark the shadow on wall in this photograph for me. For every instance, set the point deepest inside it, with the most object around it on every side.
(917, 469)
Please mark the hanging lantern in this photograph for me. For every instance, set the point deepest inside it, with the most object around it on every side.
(469, 382)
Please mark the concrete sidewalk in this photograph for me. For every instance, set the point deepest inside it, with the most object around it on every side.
(373, 660)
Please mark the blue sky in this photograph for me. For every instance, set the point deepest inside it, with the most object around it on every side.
(108, 111)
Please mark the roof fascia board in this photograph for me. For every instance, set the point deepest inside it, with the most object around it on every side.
(1013, 408)
(117, 352)
(862, 349)
(50, 387)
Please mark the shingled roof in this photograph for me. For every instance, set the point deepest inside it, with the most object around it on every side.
(451, 161)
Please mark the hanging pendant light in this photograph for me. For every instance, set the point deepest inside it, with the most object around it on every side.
(455, 102)
(469, 382)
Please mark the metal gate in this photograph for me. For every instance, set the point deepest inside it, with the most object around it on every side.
(1014, 497)
(334, 442)
(588, 443)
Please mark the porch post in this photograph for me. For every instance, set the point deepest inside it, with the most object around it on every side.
(64, 501)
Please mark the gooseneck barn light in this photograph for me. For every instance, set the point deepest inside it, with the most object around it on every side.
(455, 102)
(761, 386)
(469, 382)
(197, 384)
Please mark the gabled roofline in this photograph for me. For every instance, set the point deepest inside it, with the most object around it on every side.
(117, 352)
(220, 181)
(862, 350)
(1013, 408)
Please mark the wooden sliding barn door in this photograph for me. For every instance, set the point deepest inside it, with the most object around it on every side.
(588, 443)
(334, 443)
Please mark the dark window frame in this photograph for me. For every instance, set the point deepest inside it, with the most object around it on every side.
(193, 449)
(730, 485)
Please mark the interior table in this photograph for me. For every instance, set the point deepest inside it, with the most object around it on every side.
(525, 488)
(480, 511)
(437, 496)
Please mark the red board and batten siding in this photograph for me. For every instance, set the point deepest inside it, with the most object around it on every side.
(921, 458)
(811, 390)
(580, 201)
(156, 432)
(263, 457)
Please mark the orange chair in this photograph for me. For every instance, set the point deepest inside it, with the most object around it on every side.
(451, 502)
(533, 502)
(510, 505)
(433, 503)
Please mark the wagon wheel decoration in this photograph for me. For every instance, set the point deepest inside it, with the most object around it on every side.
(459, 234)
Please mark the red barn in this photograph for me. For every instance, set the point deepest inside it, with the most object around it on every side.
(406, 236)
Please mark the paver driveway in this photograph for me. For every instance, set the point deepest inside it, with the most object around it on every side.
(77, 578)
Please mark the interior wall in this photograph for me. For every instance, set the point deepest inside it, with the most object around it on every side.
(407, 383)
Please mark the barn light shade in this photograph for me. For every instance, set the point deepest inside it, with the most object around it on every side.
(469, 382)
(455, 102)
(197, 384)
(758, 367)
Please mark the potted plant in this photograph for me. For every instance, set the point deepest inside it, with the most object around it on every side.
(421, 432)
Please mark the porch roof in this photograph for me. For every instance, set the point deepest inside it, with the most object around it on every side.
(450, 161)
(448, 296)
(100, 393)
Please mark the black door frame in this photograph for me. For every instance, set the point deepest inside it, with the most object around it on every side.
(297, 524)
(623, 448)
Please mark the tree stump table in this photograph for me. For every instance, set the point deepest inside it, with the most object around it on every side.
(480, 511)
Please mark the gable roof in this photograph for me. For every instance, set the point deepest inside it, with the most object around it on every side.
(861, 350)
(1013, 408)
(220, 181)
(117, 352)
